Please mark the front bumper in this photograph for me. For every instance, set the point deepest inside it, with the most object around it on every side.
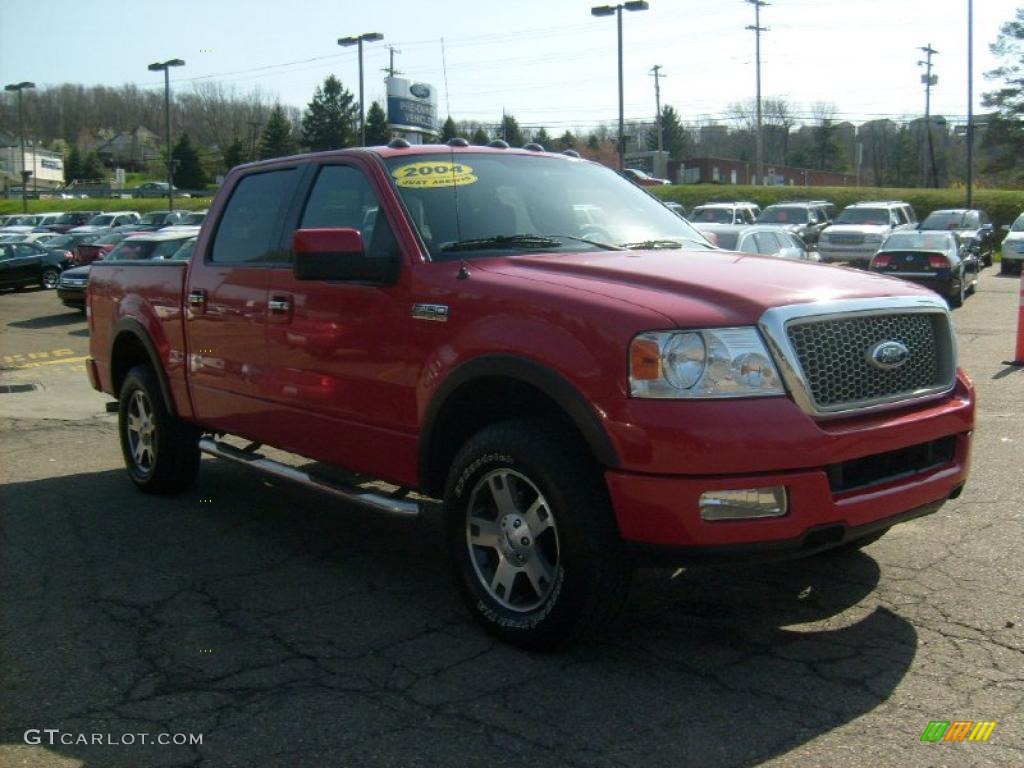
(943, 282)
(858, 254)
(72, 297)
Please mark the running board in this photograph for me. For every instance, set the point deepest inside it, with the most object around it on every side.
(375, 500)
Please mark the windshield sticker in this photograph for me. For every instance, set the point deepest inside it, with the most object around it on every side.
(433, 173)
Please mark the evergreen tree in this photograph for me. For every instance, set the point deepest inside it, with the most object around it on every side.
(331, 120)
(235, 154)
(674, 138)
(378, 132)
(276, 139)
(73, 165)
(511, 132)
(93, 168)
(480, 137)
(541, 137)
(566, 141)
(1004, 137)
(448, 130)
(593, 142)
(188, 173)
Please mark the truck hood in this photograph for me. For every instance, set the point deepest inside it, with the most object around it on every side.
(857, 229)
(87, 229)
(696, 288)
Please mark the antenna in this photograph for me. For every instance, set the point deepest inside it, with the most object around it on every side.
(444, 70)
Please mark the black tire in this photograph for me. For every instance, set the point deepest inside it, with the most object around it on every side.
(49, 278)
(957, 299)
(987, 259)
(160, 451)
(856, 544)
(586, 570)
(1004, 267)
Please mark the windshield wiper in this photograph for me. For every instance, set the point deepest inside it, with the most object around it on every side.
(502, 241)
(650, 245)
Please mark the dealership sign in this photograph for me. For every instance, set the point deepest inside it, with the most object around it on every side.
(411, 106)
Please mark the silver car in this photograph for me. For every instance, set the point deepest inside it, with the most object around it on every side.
(859, 231)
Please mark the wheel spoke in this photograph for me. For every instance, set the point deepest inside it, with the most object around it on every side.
(538, 517)
(138, 450)
(504, 577)
(134, 423)
(539, 573)
(483, 533)
(501, 490)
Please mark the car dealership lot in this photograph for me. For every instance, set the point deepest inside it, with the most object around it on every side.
(289, 630)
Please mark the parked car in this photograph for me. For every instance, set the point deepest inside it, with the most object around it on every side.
(154, 220)
(25, 222)
(1013, 247)
(23, 264)
(29, 237)
(643, 179)
(191, 221)
(108, 220)
(972, 227)
(141, 246)
(724, 213)
(768, 240)
(805, 220)
(933, 259)
(434, 318)
(859, 231)
(677, 208)
(102, 244)
(71, 219)
(156, 189)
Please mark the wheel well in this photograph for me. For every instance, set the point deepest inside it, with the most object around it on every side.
(478, 404)
(128, 352)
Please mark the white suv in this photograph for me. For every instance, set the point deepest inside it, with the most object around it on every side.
(857, 233)
(1013, 247)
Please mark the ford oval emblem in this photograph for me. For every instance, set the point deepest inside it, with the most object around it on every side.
(888, 355)
(420, 90)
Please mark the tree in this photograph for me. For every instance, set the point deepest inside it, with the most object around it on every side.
(331, 119)
(541, 137)
(449, 130)
(235, 154)
(566, 141)
(188, 173)
(73, 165)
(1004, 137)
(511, 132)
(378, 132)
(93, 168)
(480, 137)
(675, 138)
(276, 139)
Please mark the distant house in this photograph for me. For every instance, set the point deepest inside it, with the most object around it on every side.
(130, 149)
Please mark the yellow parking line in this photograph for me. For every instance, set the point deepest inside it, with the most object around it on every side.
(61, 361)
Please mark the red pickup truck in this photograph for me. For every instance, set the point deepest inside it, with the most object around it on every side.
(581, 378)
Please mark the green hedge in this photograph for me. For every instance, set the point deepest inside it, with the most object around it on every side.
(1002, 205)
(13, 205)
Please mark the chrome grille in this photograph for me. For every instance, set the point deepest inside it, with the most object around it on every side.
(840, 238)
(834, 352)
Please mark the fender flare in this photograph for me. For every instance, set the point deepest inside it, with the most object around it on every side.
(134, 328)
(563, 393)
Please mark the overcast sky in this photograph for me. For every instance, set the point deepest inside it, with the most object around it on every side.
(548, 62)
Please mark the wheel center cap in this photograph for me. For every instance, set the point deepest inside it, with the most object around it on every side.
(516, 538)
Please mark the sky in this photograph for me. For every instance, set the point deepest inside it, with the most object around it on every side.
(548, 62)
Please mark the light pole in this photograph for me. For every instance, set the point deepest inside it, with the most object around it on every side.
(970, 103)
(25, 173)
(165, 67)
(608, 10)
(345, 42)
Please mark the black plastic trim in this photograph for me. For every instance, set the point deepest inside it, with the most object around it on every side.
(136, 329)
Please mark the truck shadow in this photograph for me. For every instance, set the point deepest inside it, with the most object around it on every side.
(290, 631)
(68, 317)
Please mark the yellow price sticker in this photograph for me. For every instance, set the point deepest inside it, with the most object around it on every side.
(431, 174)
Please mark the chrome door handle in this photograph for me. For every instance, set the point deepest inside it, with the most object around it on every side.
(196, 298)
(279, 305)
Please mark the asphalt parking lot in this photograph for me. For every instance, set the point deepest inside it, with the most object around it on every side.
(287, 630)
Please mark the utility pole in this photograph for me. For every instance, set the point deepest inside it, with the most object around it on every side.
(254, 128)
(758, 29)
(970, 103)
(656, 74)
(929, 80)
(390, 68)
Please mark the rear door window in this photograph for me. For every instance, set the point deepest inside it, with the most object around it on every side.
(248, 229)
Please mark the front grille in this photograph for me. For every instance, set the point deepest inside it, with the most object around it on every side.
(834, 356)
(845, 239)
(893, 465)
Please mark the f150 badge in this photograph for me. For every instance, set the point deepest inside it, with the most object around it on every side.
(436, 312)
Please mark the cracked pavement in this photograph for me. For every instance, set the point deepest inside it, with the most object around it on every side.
(289, 630)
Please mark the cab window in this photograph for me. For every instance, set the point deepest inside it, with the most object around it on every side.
(250, 222)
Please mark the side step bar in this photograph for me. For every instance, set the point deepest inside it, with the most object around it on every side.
(375, 500)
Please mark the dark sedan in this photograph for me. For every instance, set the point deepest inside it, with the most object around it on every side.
(972, 227)
(933, 259)
(23, 264)
(154, 220)
(69, 220)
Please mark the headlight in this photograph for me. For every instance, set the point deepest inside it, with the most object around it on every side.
(714, 363)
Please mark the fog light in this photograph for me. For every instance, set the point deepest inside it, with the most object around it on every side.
(744, 503)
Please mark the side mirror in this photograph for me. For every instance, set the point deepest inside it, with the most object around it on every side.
(791, 253)
(337, 254)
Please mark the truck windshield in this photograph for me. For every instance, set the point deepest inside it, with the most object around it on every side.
(945, 220)
(469, 205)
(777, 214)
(870, 216)
(137, 249)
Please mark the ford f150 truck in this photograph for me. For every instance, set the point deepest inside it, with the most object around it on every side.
(584, 381)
